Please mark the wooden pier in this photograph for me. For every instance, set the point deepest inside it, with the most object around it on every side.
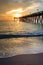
(34, 17)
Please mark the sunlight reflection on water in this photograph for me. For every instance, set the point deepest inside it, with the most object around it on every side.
(16, 46)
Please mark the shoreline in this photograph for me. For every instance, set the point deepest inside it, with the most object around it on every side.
(24, 59)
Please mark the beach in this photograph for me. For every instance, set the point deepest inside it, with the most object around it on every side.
(24, 59)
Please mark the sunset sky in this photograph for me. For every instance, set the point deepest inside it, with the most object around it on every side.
(11, 8)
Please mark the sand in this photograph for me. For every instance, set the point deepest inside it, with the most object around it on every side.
(24, 59)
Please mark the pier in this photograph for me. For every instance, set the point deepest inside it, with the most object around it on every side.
(34, 17)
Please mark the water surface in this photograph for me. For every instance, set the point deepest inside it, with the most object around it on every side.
(26, 45)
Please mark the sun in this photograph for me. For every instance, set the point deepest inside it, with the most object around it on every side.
(18, 15)
(15, 13)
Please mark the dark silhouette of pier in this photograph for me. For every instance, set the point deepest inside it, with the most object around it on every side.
(34, 17)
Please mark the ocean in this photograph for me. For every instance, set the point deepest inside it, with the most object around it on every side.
(20, 45)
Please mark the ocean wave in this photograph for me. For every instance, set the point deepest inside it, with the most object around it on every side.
(25, 34)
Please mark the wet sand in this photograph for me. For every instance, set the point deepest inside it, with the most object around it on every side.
(24, 59)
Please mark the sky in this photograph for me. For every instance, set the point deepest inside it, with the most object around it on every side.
(8, 8)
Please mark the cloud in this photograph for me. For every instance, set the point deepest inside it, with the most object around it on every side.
(21, 10)
(22, 0)
(26, 5)
(4, 2)
(38, 0)
(13, 11)
(33, 6)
